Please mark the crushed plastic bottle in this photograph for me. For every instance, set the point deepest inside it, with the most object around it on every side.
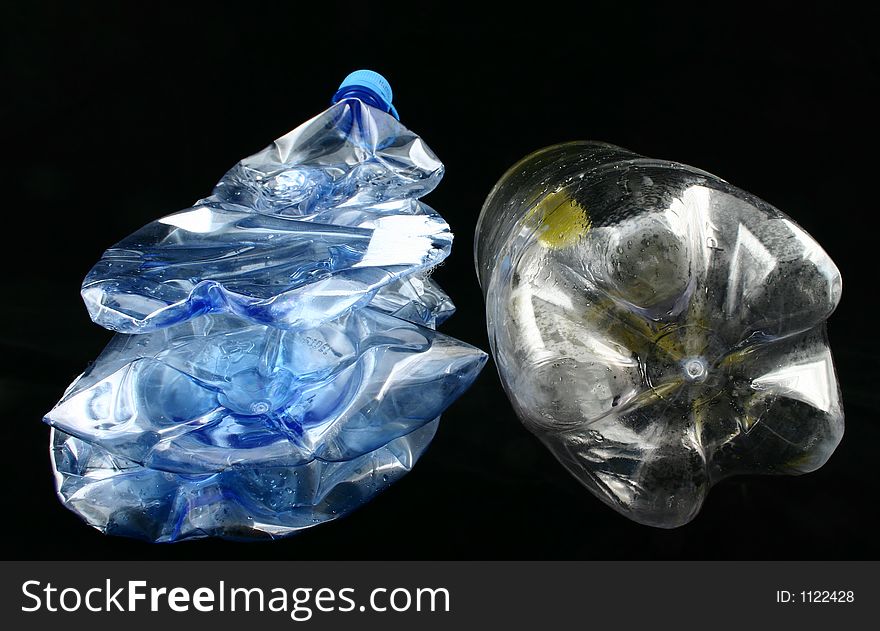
(656, 327)
(276, 364)
(295, 235)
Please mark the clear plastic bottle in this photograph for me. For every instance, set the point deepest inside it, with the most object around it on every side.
(656, 327)
(276, 363)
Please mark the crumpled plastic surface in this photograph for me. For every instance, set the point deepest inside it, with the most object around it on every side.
(295, 235)
(276, 364)
(656, 327)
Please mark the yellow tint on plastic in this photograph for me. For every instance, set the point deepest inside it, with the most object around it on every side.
(561, 220)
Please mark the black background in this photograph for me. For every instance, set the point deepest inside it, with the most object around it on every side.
(114, 115)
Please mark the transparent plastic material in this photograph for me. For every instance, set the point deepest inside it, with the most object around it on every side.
(295, 235)
(276, 364)
(656, 327)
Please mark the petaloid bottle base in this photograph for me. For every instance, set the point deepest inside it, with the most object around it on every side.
(656, 327)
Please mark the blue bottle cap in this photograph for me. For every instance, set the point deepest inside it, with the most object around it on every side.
(368, 86)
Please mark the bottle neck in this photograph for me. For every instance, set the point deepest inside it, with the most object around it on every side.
(361, 93)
